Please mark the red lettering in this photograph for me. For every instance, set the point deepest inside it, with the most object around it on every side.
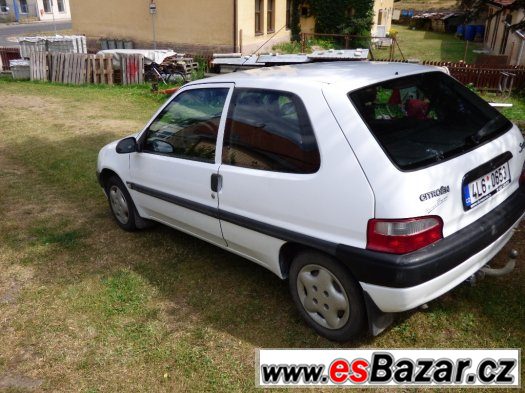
(359, 371)
(339, 370)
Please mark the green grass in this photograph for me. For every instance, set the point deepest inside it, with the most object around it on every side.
(99, 309)
(425, 5)
(432, 46)
(516, 113)
(413, 44)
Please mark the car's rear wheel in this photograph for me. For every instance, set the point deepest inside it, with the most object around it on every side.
(327, 296)
(121, 204)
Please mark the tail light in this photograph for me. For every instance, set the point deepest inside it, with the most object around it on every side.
(403, 236)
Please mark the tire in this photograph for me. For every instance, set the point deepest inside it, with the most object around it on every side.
(327, 296)
(121, 204)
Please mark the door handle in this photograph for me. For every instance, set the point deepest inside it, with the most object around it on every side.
(216, 182)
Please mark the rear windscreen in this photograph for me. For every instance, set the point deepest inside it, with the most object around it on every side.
(426, 118)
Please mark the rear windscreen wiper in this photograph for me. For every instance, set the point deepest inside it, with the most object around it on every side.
(486, 130)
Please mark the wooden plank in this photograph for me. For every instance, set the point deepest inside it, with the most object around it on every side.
(62, 68)
(109, 69)
(89, 73)
(82, 79)
(65, 75)
(74, 69)
(56, 65)
(141, 69)
(78, 68)
(124, 69)
(96, 72)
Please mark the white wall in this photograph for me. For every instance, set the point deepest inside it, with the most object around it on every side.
(48, 16)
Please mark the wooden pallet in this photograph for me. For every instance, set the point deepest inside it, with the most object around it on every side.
(132, 67)
(102, 69)
(188, 67)
(68, 68)
(72, 68)
(39, 70)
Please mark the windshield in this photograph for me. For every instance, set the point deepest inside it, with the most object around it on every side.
(426, 118)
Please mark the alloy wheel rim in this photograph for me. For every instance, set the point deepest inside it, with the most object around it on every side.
(119, 204)
(323, 297)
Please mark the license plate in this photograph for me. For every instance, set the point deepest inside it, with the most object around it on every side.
(481, 189)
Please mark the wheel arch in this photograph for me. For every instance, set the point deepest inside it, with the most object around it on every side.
(289, 251)
(104, 176)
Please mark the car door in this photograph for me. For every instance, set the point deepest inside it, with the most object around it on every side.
(173, 171)
(275, 187)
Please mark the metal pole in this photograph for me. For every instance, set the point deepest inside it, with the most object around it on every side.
(16, 11)
(154, 31)
(153, 12)
(53, 13)
(466, 50)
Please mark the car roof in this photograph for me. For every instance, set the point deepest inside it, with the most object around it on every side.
(350, 75)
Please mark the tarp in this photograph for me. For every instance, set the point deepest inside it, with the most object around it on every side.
(150, 56)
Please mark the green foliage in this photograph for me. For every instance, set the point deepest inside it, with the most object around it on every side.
(343, 16)
(295, 22)
(296, 47)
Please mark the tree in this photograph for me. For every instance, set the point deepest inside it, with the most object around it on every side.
(342, 16)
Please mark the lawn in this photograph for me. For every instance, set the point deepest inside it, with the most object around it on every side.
(85, 306)
(413, 44)
(428, 45)
(425, 5)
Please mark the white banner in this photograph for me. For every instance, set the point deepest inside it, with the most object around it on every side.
(496, 368)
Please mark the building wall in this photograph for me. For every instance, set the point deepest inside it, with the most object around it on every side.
(495, 31)
(54, 13)
(189, 23)
(252, 42)
(195, 26)
(32, 11)
(387, 8)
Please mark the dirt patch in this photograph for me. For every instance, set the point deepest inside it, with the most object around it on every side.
(14, 381)
(11, 293)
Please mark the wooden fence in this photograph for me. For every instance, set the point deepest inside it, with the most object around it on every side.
(132, 67)
(72, 68)
(7, 54)
(482, 76)
(38, 67)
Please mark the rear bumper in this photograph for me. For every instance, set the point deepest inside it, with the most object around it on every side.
(389, 299)
(473, 243)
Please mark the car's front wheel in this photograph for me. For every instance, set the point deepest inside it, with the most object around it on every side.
(327, 296)
(121, 204)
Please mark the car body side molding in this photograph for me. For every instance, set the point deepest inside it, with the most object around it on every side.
(390, 270)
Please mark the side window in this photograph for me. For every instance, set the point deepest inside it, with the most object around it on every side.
(269, 130)
(188, 126)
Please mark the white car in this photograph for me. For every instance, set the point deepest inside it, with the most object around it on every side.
(373, 187)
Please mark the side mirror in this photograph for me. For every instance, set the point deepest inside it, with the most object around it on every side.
(127, 145)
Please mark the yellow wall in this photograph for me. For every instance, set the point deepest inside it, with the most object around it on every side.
(250, 41)
(200, 22)
(388, 8)
(307, 24)
(192, 22)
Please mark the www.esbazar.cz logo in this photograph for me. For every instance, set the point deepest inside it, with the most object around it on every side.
(393, 368)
